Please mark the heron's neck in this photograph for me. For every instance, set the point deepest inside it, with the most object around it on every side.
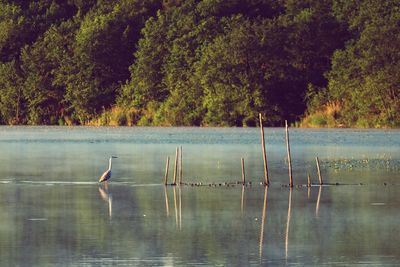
(110, 164)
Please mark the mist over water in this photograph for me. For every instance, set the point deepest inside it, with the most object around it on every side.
(55, 213)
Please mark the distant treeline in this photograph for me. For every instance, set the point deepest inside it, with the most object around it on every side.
(204, 63)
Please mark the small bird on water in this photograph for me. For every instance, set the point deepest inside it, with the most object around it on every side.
(107, 174)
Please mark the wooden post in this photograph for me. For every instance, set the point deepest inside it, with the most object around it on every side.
(266, 180)
(166, 171)
(308, 180)
(288, 155)
(243, 172)
(319, 171)
(175, 166)
(180, 166)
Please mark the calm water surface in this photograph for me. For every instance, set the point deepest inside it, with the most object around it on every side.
(54, 213)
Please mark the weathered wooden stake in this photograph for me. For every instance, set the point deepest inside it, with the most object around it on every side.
(243, 172)
(166, 171)
(319, 171)
(176, 166)
(308, 180)
(266, 179)
(288, 155)
(180, 166)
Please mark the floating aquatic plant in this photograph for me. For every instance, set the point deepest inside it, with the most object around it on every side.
(382, 162)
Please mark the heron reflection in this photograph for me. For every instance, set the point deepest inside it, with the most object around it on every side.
(107, 197)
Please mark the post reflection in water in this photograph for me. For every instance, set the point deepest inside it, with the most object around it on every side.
(107, 197)
(242, 200)
(177, 205)
(180, 207)
(318, 200)
(263, 237)
(264, 214)
(166, 201)
(288, 224)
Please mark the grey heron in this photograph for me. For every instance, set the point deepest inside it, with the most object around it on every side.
(107, 174)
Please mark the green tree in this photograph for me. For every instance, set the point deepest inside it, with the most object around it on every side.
(228, 76)
(12, 104)
(12, 24)
(102, 54)
(365, 76)
(22, 22)
(43, 90)
(208, 62)
(184, 104)
(163, 79)
(26, 65)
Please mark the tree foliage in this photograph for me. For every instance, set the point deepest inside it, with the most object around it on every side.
(199, 62)
(12, 104)
(365, 75)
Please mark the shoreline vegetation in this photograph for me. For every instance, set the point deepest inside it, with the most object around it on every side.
(326, 118)
(314, 63)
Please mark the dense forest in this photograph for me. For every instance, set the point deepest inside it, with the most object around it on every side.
(200, 62)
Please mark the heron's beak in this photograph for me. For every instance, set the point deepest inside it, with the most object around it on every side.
(114, 157)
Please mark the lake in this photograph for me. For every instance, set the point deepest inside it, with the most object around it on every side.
(54, 212)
